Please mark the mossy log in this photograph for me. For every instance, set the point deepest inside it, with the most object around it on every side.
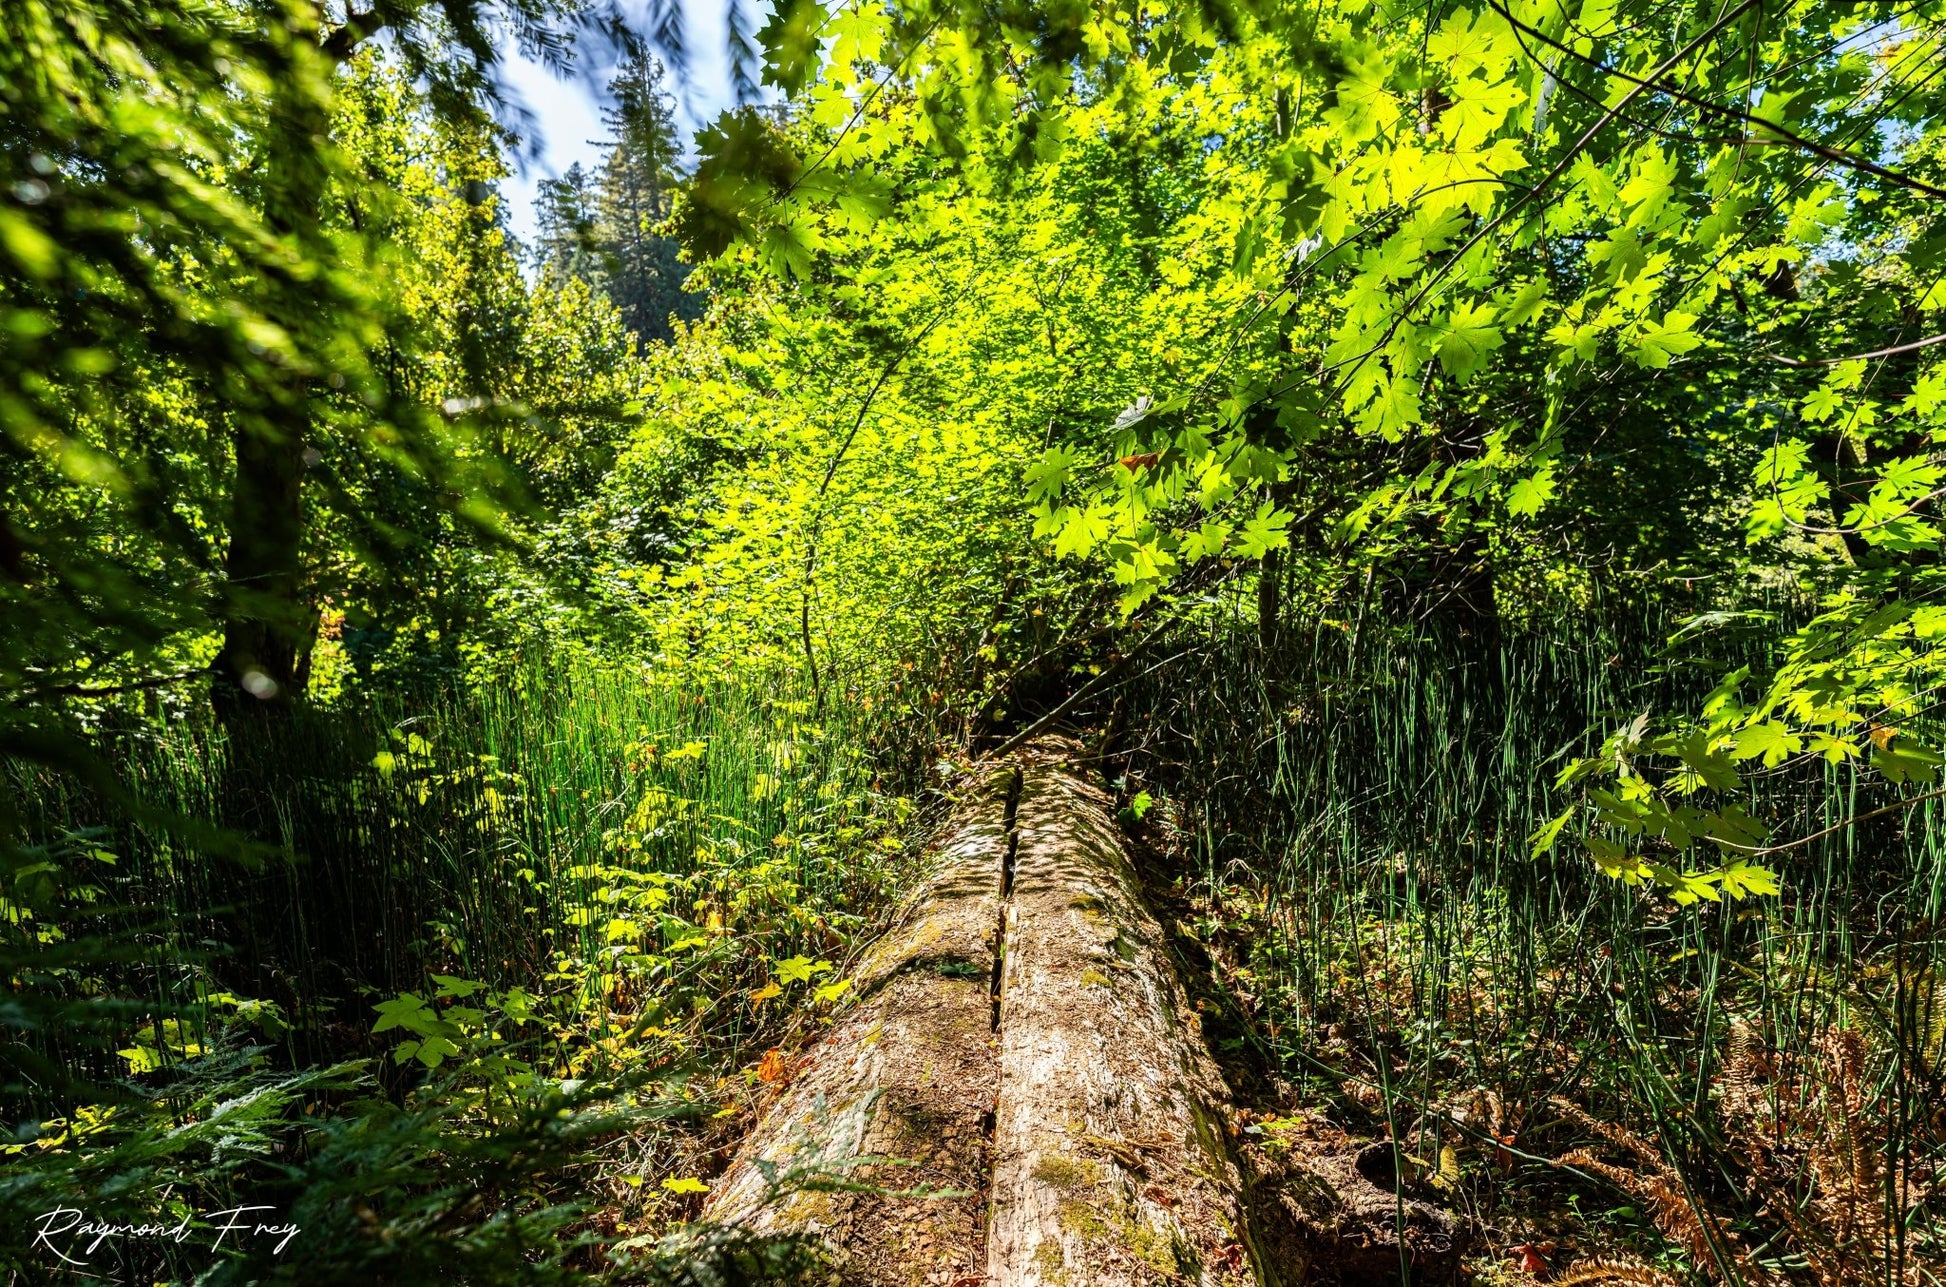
(879, 1147)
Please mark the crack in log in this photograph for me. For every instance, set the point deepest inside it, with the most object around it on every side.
(1009, 859)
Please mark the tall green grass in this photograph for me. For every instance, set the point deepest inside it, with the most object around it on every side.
(1357, 812)
(462, 831)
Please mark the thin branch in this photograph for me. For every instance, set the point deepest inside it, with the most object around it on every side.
(110, 690)
(831, 472)
(1894, 351)
(1835, 827)
(1657, 81)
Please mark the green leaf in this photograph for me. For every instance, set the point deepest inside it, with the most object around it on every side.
(790, 42)
(1395, 410)
(31, 250)
(1545, 837)
(1743, 879)
(1901, 761)
(1526, 497)
(1467, 339)
(1525, 304)
(1265, 531)
(1047, 477)
(407, 1011)
(1656, 343)
(434, 1051)
(1770, 740)
(1702, 767)
(1615, 862)
(1688, 887)
(799, 969)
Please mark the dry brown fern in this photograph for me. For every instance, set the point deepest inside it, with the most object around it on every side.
(1657, 1185)
(1747, 1079)
(1811, 1143)
(1600, 1273)
(1816, 1154)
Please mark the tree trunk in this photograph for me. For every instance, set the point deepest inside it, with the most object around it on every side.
(268, 625)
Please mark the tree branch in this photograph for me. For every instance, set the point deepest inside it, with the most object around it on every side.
(1894, 351)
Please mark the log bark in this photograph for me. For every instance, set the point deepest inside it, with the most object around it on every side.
(1113, 1162)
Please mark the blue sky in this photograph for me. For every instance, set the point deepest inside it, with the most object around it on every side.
(566, 112)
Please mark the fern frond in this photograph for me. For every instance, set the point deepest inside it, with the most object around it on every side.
(1630, 1273)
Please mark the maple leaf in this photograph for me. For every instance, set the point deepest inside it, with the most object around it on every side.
(1047, 476)
(1525, 498)
(1264, 532)
(1467, 43)
(790, 41)
(1396, 409)
(1083, 530)
(1742, 879)
(1905, 763)
(1477, 111)
(1771, 740)
(1656, 343)
(1467, 338)
(771, 1069)
(1523, 304)
(790, 248)
(859, 33)
(832, 991)
(799, 969)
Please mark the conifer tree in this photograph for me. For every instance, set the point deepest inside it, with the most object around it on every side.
(567, 247)
(641, 270)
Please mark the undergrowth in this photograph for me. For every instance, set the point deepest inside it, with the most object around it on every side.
(1612, 1087)
(471, 983)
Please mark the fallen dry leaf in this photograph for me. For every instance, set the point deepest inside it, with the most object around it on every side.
(1527, 1257)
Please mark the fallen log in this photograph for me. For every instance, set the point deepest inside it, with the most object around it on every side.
(1021, 1096)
